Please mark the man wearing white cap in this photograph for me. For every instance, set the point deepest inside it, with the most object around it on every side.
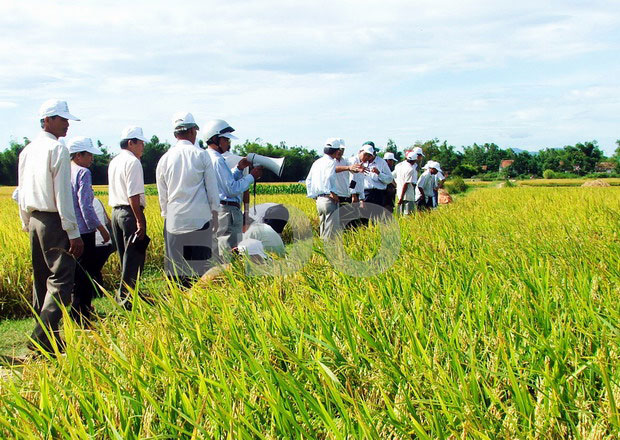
(47, 213)
(188, 197)
(231, 186)
(439, 181)
(376, 178)
(321, 186)
(390, 189)
(425, 186)
(406, 175)
(82, 151)
(126, 197)
(346, 183)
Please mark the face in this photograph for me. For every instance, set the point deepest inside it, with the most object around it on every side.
(339, 154)
(56, 125)
(365, 157)
(224, 144)
(84, 159)
(433, 170)
(137, 148)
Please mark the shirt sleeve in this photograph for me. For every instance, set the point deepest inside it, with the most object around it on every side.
(85, 197)
(23, 214)
(135, 178)
(162, 186)
(229, 186)
(60, 167)
(211, 183)
(385, 175)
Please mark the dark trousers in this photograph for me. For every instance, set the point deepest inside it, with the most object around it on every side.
(84, 287)
(53, 269)
(390, 196)
(424, 203)
(132, 256)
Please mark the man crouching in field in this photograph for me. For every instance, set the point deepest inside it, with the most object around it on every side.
(47, 213)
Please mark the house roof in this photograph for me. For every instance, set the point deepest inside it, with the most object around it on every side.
(506, 163)
(605, 165)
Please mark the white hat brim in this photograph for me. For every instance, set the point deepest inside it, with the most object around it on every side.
(228, 135)
(68, 116)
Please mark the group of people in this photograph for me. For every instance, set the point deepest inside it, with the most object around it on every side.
(200, 196)
(350, 191)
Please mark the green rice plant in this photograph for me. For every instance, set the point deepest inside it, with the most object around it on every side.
(499, 319)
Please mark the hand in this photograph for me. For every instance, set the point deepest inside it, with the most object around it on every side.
(104, 233)
(375, 170)
(244, 163)
(334, 197)
(257, 172)
(400, 201)
(356, 168)
(76, 247)
(141, 231)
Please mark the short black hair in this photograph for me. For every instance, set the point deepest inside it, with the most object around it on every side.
(330, 150)
(125, 142)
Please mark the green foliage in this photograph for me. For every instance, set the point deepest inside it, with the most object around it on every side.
(9, 161)
(393, 148)
(297, 160)
(549, 174)
(443, 153)
(465, 170)
(455, 185)
(153, 151)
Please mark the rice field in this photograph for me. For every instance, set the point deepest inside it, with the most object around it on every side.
(499, 319)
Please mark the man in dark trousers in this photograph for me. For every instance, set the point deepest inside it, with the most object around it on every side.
(47, 213)
(126, 196)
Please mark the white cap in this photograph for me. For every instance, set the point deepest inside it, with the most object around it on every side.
(217, 127)
(368, 149)
(133, 132)
(389, 156)
(81, 143)
(432, 164)
(418, 151)
(55, 107)
(183, 120)
(335, 143)
(411, 155)
(251, 246)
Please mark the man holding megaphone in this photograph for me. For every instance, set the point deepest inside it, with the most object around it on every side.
(231, 185)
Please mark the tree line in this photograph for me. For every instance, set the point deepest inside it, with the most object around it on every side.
(469, 161)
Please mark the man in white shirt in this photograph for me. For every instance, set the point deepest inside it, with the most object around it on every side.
(406, 175)
(189, 200)
(425, 186)
(126, 197)
(266, 223)
(46, 210)
(231, 186)
(378, 175)
(346, 184)
(321, 186)
(390, 189)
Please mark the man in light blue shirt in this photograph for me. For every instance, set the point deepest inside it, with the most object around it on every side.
(231, 186)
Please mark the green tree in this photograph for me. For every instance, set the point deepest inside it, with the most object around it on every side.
(99, 168)
(393, 148)
(9, 160)
(297, 160)
(153, 151)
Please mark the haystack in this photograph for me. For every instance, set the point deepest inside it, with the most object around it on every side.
(597, 182)
(444, 197)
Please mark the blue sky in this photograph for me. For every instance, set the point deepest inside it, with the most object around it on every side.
(523, 74)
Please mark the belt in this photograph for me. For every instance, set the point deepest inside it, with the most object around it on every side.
(225, 203)
(323, 195)
(126, 207)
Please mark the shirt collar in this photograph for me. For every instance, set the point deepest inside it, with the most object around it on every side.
(47, 135)
(213, 151)
(124, 150)
(184, 142)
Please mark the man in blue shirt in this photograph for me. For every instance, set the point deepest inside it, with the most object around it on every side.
(231, 185)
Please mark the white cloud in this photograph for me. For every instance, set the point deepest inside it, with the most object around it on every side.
(302, 71)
